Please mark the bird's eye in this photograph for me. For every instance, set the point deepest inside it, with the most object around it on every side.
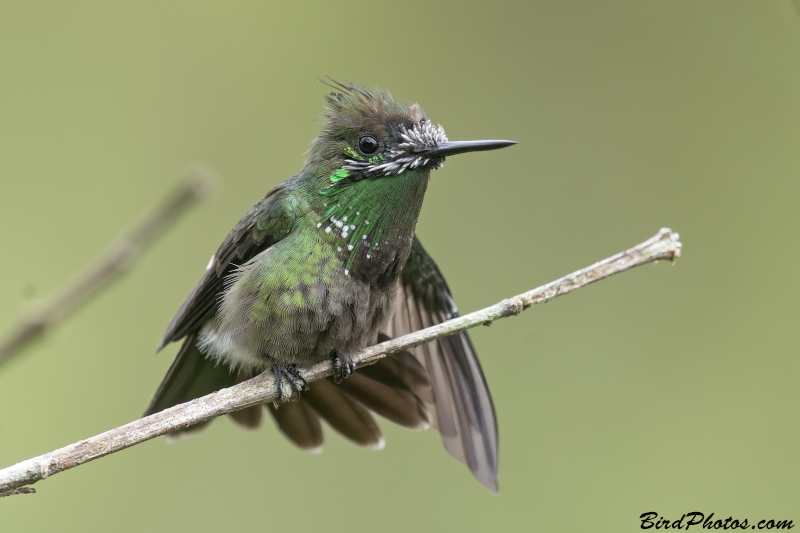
(368, 145)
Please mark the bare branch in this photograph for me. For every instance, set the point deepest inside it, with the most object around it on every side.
(262, 388)
(116, 260)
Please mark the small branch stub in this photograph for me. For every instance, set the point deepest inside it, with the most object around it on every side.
(262, 388)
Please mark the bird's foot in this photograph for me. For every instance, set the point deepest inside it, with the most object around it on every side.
(297, 382)
(342, 368)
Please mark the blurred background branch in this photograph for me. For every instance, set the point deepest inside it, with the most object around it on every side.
(117, 260)
(263, 389)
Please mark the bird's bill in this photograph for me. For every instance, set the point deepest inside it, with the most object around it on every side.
(461, 147)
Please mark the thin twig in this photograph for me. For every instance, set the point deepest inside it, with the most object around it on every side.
(117, 259)
(262, 388)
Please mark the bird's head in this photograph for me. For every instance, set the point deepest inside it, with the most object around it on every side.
(369, 135)
(367, 173)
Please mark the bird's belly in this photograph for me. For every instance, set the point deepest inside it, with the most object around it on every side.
(290, 307)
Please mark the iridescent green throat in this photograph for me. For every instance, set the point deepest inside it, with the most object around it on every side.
(362, 218)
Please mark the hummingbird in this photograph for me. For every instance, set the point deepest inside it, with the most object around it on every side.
(326, 264)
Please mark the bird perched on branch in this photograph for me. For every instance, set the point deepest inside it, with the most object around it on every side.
(326, 264)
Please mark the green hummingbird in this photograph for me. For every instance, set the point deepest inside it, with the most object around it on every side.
(326, 264)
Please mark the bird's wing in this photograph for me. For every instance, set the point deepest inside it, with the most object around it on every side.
(266, 223)
(463, 405)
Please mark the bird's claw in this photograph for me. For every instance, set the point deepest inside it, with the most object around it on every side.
(342, 368)
(296, 381)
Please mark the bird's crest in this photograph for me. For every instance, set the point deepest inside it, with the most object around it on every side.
(374, 134)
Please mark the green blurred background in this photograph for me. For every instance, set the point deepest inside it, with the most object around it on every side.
(667, 389)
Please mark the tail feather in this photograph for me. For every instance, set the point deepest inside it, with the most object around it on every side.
(397, 404)
(299, 423)
(343, 414)
(249, 417)
(391, 388)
